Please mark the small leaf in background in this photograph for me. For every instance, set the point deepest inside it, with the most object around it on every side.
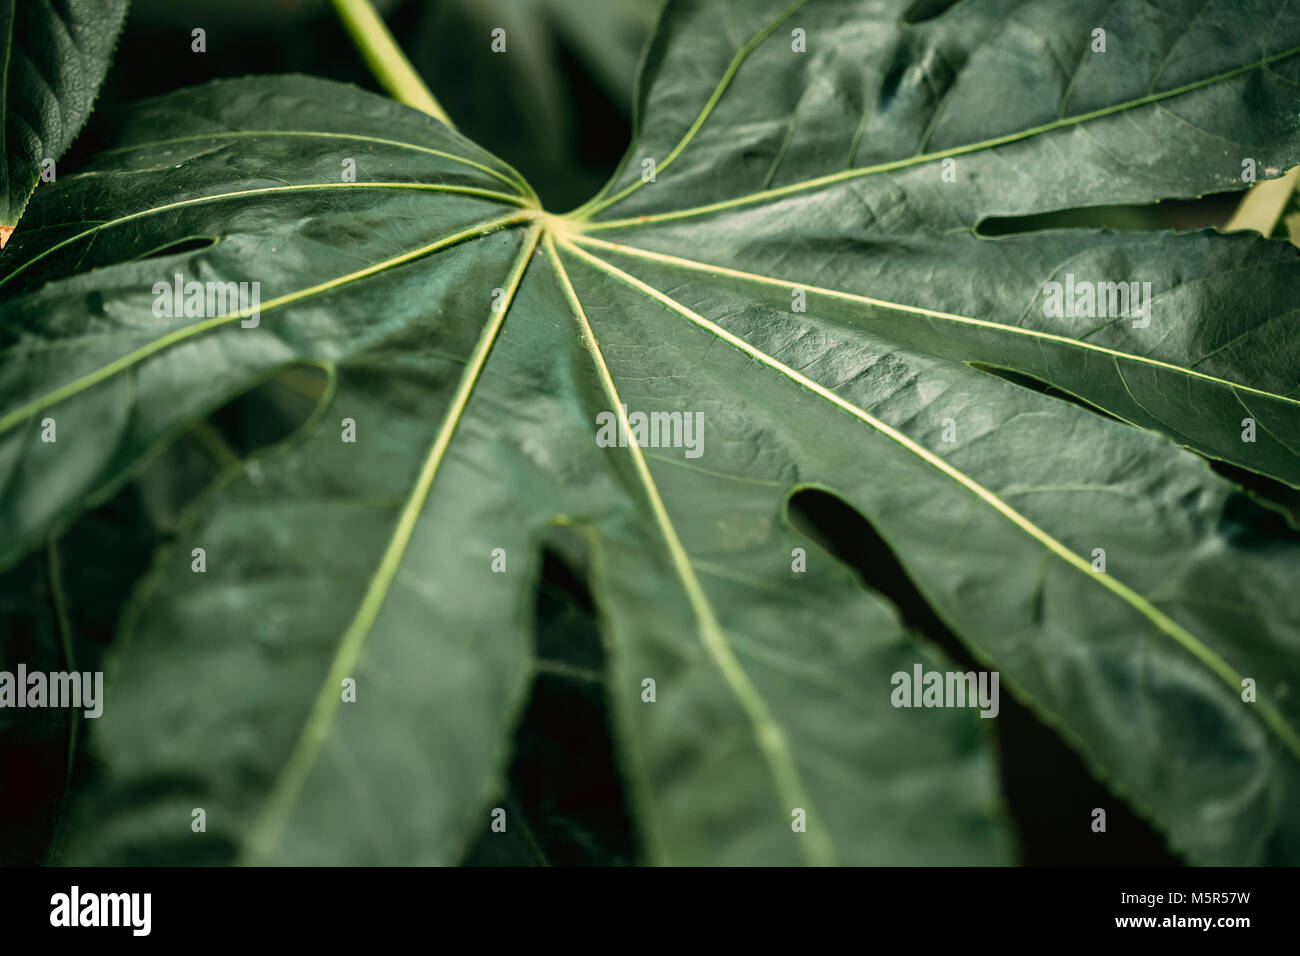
(54, 59)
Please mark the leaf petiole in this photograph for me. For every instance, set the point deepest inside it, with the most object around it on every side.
(386, 59)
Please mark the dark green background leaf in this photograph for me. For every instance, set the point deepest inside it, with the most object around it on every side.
(53, 58)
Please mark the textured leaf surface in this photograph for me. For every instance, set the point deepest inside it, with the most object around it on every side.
(474, 339)
(55, 54)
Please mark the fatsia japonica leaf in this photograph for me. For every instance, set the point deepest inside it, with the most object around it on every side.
(54, 56)
(791, 252)
(372, 561)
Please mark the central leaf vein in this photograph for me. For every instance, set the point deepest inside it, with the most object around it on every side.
(284, 794)
(767, 732)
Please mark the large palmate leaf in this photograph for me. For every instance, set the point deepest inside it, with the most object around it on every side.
(53, 58)
(804, 270)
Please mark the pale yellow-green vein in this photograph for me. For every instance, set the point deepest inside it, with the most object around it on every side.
(244, 193)
(515, 179)
(589, 209)
(768, 734)
(288, 785)
(132, 358)
(698, 266)
(1193, 645)
(849, 174)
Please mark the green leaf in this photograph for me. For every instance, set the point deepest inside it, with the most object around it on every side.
(55, 55)
(473, 339)
(57, 610)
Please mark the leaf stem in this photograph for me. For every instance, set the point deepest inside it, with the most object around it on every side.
(60, 601)
(214, 444)
(386, 59)
(1262, 207)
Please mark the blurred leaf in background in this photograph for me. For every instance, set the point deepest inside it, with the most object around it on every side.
(555, 104)
(54, 59)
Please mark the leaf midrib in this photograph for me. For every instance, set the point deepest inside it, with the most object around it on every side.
(284, 792)
(767, 730)
(241, 193)
(597, 202)
(517, 179)
(700, 266)
(132, 358)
